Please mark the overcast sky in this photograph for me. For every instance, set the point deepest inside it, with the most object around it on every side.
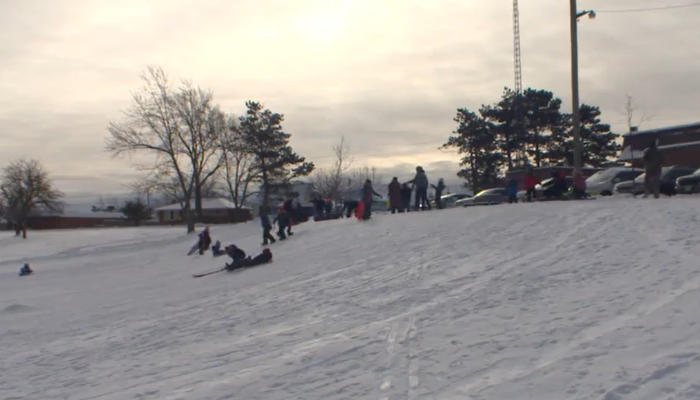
(388, 74)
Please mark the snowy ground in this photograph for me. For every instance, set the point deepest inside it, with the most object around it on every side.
(587, 300)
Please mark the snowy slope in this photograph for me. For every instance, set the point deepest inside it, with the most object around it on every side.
(588, 300)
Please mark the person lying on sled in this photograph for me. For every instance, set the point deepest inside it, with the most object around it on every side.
(247, 262)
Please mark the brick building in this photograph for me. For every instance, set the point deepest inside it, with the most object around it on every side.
(680, 145)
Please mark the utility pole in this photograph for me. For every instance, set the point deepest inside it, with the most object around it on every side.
(576, 112)
(576, 115)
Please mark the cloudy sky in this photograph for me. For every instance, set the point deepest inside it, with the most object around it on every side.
(387, 74)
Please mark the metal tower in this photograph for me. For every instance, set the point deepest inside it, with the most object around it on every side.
(516, 49)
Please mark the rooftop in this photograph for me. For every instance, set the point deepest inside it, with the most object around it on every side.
(664, 129)
(207, 204)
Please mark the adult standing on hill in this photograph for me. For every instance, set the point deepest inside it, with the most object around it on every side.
(395, 196)
(420, 182)
(368, 194)
(652, 167)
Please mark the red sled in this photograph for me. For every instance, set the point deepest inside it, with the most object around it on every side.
(360, 209)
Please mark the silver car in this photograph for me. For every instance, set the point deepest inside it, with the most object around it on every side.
(485, 198)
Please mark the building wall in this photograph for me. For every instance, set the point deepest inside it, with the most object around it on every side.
(684, 156)
(217, 216)
(56, 222)
(641, 140)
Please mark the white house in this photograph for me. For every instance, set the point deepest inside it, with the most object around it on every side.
(214, 211)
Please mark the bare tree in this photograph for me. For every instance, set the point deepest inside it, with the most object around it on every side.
(26, 188)
(332, 181)
(178, 127)
(630, 110)
(238, 164)
(143, 189)
(358, 176)
(205, 123)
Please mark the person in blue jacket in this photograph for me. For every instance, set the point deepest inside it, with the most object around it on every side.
(512, 190)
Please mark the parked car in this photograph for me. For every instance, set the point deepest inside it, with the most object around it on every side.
(689, 184)
(484, 198)
(449, 200)
(542, 186)
(668, 181)
(603, 182)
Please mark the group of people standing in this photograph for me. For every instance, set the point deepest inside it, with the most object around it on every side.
(400, 193)
(399, 197)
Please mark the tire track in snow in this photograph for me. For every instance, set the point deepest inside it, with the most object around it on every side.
(403, 357)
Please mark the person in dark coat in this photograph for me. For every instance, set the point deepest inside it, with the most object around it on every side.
(204, 241)
(25, 270)
(283, 221)
(438, 193)
(266, 225)
(319, 205)
(530, 181)
(395, 196)
(368, 194)
(406, 192)
(349, 207)
(293, 214)
(420, 182)
(512, 190)
(247, 262)
(559, 187)
(653, 160)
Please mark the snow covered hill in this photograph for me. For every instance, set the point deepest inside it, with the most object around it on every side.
(587, 300)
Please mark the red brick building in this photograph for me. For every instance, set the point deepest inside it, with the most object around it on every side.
(680, 145)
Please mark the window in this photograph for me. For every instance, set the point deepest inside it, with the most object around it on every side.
(628, 175)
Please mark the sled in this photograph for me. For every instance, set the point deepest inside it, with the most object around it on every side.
(360, 209)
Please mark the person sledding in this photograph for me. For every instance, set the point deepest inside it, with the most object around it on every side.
(25, 270)
(217, 250)
(239, 259)
(203, 242)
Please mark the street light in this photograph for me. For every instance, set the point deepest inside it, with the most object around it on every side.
(576, 116)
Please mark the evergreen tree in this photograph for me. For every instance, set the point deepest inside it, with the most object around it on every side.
(274, 161)
(475, 139)
(542, 114)
(599, 143)
(507, 126)
(136, 211)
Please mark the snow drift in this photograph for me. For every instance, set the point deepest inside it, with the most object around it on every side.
(576, 300)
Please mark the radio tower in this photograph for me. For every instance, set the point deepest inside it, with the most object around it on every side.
(516, 49)
(518, 123)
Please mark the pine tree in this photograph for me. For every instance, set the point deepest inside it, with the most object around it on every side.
(475, 139)
(136, 211)
(274, 160)
(542, 113)
(599, 143)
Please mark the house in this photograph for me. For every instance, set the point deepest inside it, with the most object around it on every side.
(75, 219)
(214, 211)
(278, 193)
(680, 145)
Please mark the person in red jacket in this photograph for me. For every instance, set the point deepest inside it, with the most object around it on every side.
(530, 182)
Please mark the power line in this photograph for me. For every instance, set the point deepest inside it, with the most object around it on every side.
(669, 7)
